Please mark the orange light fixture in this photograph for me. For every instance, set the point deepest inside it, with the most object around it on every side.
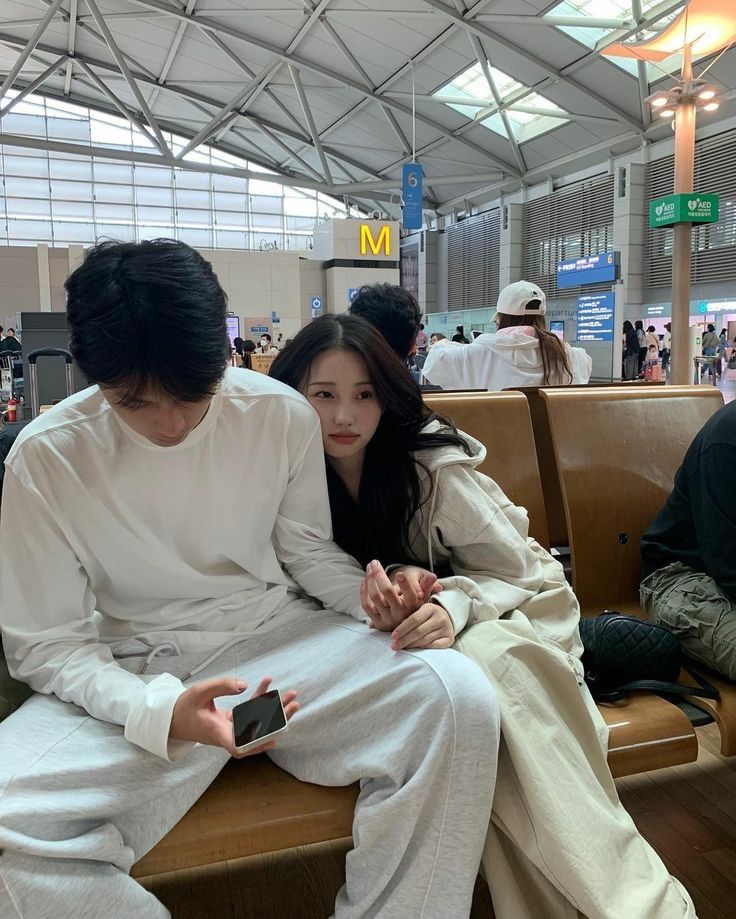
(707, 25)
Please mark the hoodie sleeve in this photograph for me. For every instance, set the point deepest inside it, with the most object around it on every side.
(496, 567)
(581, 365)
(446, 365)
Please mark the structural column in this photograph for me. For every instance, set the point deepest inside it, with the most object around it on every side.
(629, 228)
(681, 371)
(511, 247)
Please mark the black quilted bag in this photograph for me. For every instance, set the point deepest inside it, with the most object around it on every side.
(623, 653)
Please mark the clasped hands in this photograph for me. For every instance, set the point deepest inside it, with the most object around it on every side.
(401, 603)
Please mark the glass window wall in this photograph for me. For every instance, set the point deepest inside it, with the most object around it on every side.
(62, 198)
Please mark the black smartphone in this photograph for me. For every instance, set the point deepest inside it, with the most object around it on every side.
(258, 720)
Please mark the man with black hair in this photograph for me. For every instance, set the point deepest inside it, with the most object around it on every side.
(393, 311)
(266, 345)
(135, 602)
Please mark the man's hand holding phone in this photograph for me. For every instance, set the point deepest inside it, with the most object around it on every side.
(197, 719)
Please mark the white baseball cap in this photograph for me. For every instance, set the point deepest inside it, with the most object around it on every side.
(522, 298)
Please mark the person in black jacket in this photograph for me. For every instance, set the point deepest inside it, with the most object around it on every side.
(10, 344)
(631, 351)
(689, 551)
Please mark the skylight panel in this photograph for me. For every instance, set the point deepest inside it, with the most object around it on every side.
(471, 84)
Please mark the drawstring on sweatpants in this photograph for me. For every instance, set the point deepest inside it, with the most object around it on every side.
(170, 647)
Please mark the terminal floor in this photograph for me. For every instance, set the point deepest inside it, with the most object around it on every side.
(688, 813)
(728, 388)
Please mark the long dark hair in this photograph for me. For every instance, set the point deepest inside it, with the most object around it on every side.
(555, 362)
(390, 490)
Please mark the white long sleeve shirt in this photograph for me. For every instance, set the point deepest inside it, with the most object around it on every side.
(106, 536)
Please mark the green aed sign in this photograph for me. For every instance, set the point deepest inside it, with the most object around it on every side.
(687, 208)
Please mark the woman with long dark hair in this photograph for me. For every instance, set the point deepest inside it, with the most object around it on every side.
(641, 337)
(385, 466)
(404, 488)
(522, 352)
(631, 351)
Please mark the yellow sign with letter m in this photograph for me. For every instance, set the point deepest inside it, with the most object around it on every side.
(375, 245)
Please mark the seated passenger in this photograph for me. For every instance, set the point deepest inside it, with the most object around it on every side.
(392, 310)
(134, 601)
(404, 487)
(522, 353)
(689, 552)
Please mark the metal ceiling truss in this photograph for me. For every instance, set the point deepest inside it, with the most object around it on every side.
(208, 24)
(203, 105)
(655, 15)
(228, 118)
(173, 48)
(558, 75)
(71, 42)
(28, 48)
(482, 58)
(32, 87)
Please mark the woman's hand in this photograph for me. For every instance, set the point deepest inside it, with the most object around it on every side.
(416, 585)
(197, 719)
(388, 601)
(429, 627)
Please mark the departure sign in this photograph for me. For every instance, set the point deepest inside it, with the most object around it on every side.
(592, 269)
(595, 316)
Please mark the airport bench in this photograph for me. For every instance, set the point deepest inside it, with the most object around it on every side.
(502, 423)
(646, 732)
(617, 451)
(549, 474)
(254, 807)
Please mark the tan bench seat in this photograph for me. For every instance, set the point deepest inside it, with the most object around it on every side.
(254, 807)
(617, 451)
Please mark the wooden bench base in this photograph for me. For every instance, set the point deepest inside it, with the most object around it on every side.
(647, 733)
(723, 712)
(250, 808)
(254, 807)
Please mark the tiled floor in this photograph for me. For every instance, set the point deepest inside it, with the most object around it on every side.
(728, 388)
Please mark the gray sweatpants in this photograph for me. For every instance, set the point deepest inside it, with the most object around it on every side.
(698, 612)
(79, 804)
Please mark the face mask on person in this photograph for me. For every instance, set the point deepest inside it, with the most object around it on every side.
(264, 342)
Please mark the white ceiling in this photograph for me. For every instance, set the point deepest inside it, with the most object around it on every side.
(321, 89)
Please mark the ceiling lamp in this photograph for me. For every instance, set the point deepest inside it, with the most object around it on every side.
(707, 25)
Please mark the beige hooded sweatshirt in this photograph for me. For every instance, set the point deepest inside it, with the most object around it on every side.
(468, 523)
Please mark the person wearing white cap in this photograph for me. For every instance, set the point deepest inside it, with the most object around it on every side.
(523, 352)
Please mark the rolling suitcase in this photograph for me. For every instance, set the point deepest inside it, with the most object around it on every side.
(10, 430)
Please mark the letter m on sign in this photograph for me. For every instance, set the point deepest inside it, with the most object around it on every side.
(375, 245)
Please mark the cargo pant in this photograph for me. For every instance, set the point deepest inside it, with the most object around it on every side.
(698, 612)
